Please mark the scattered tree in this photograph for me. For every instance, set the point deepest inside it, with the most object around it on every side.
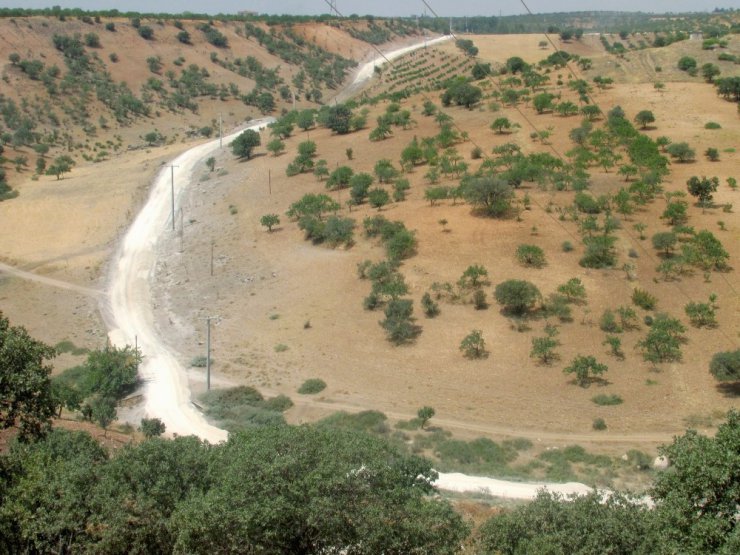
(543, 348)
(665, 241)
(644, 118)
(152, 427)
(431, 308)
(663, 341)
(245, 143)
(491, 194)
(586, 369)
(378, 197)
(276, 146)
(269, 221)
(681, 151)
(399, 322)
(702, 188)
(517, 296)
(573, 290)
(473, 346)
(501, 124)
(725, 366)
(530, 256)
(62, 164)
(425, 414)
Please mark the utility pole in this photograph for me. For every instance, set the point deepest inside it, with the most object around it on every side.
(220, 131)
(211, 256)
(172, 189)
(182, 229)
(208, 351)
(269, 181)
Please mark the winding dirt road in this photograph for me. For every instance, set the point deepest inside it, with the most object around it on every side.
(130, 318)
(129, 313)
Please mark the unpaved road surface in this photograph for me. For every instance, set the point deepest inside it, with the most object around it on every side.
(129, 312)
(30, 276)
(130, 318)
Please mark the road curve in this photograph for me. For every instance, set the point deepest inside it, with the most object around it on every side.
(130, 319)
(129, 312)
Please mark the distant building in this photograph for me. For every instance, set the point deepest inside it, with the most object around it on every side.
(696, 36)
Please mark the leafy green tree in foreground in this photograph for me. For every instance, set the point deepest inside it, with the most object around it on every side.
(310, 490)
(587, 524)
(695, 509)
(26, 398)
(327, 491)
(697, 499)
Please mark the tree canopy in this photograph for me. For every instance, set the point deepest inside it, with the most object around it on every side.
(26, 398)
(245, 143)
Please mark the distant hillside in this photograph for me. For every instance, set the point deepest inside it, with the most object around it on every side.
(88, 86)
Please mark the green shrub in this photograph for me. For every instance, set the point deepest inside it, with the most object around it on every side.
(371, 421)
(530, 256)
(586, 203)
(599, 424)
(643, 299)
(712, 125)
(312, 386)
(607, 400)
(200, 361)
(280, 403)
(244, 407)
(725, 366)
(608, 322)
(69, 347)
(430, 308)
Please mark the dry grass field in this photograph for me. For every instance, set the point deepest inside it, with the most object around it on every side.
(291, 310)
(267, 286)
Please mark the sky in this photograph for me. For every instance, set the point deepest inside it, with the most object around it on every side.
(380, 7)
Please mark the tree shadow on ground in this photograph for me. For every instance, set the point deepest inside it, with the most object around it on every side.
(729, 389)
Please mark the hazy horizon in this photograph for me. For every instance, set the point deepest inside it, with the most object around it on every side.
(380, 7)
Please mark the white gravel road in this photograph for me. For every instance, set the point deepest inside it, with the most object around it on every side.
(130, 317)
